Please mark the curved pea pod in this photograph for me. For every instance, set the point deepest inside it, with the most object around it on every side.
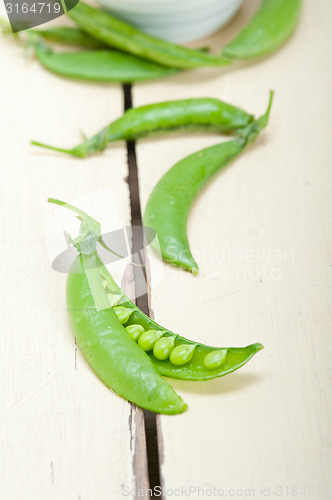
(116, 33)
(99, 65)
(270, 27)
(120, 363)
(205, 114)
(169, 204)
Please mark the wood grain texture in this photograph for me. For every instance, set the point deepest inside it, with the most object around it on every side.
(261, 233)
(63, 434)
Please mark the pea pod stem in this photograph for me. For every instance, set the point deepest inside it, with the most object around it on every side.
(117, 33)
(205, 114)
(169, 203)
(271, 26)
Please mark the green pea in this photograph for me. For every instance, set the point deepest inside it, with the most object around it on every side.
(114, 299)
(148, 339)
(215, 359)
(122, 313)
(163, 348)
(135, 331)
(182, 354)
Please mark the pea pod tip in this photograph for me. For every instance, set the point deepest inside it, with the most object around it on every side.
(257, 347)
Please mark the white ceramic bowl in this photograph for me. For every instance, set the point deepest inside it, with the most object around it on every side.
(175, 20)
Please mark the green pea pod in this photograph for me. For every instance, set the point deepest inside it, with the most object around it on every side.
(204, 114)
(168, 205)
(270, 27)
(200, 366)
(111, 347)
(116, 33)
(68, 36)
(99, 65)
(109, 350)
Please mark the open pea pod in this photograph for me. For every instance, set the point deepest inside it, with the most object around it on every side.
(127, 350)
(206, 362)
(184, 358)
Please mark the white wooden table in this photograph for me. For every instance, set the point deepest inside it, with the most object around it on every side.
(261, 232)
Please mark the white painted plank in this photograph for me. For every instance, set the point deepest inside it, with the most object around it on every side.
(63, 434)
(261, 232)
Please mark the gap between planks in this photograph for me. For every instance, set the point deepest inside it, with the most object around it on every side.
(151, 421)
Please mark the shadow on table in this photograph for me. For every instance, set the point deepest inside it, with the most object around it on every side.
(230, 383)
